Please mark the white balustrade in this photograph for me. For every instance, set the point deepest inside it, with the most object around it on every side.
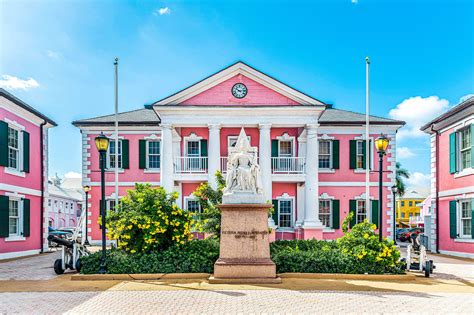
(190, 164)
(288, 165)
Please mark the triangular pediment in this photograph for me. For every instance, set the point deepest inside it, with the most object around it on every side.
(216, 90)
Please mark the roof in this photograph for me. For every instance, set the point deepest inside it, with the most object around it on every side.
(25, 106)
(66, 193)
(239, 67)
(412, 194)
(139, 117)
(333, 116)
(443, 119)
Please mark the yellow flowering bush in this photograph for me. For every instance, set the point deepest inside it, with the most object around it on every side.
(148, 219)
(363, 243)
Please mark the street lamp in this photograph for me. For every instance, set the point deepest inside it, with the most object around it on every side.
(394, 192)
(102, 144)
(86, 191)
(381, 144)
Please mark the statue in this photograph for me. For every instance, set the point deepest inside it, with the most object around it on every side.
(243, 180)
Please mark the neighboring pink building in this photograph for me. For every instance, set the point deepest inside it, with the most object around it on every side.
(64, 204)
(311, 155)
(452, 180)
(23, 179)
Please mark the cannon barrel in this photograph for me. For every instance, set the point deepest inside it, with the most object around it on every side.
(60, 241)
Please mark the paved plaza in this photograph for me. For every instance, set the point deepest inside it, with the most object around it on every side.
(29, 286)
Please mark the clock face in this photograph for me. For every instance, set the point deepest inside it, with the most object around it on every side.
(239, 90)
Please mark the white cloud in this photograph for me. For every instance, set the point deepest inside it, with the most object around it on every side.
(53, 54)
(163, 11)
(465, 97)
(417, 111)
(419, 182)
(404, 152)
(72, 175)
(13, 83)
(354, 1)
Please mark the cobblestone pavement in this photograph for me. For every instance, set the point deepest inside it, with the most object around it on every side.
(38, 267)
(234, 302)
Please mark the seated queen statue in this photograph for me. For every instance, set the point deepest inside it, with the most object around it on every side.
(243, 180)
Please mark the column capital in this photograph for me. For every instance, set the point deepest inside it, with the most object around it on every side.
(265, 126)
(214, 126)
(312, 126)
(166, 126)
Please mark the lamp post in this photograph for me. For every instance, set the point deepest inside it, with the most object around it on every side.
(394, 192)
(86, 191)
(381, 144)
(102, 143)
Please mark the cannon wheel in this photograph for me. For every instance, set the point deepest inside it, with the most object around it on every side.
(78, 265)
(428, 269)
(58, 267)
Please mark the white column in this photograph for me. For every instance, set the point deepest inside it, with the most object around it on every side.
(311, 209)
(265, 154)
(167, 170)
(214, 153)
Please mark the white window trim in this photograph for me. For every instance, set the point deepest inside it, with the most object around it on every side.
(331, 153)
(286, 137)
(369, 208)
(361, 138)
(230, 137)
(459, 221)
(285, 197)
(19, 237)
(190, 198)
(10, 170)
(107, 156)
(330, 227)
(150, 169)
(192, 137)
(468, 170)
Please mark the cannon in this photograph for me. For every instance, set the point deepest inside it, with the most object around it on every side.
(72, 250)
(417, 257)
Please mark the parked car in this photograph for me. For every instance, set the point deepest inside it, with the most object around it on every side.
(400, 231)
(405, 236)
(59, 233)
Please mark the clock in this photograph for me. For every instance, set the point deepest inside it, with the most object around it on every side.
(239, 90)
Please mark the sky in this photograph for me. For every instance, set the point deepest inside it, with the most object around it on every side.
(58, 57)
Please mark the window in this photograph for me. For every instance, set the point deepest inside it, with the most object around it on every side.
(285, 148)
(110, 204)
(465, 148)
(192, 205)
(403, 214)
(154, 154)
(410, 203)
(49, 202)
(14, 217)
(285, 213)
(111, 163)
(193, 148)
(361, 213)
(465, 218)
(232, 141)
(325, 147)
(325, 212)
(360, 154)
(403, 203)
(13, 149)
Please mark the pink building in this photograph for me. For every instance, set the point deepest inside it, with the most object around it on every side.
(64, 202)
(311, 155)
(23, 179)
(452, 180)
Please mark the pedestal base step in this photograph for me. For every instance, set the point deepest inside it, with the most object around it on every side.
(214, 280)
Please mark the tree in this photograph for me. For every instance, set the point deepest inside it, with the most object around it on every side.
(400, 174)
(208, 197)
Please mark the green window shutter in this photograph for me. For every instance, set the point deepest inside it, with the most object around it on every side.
(472, 152)
(125, 154)
(4, 212)
(335, 214)
(26, 152)
(352, 154)
(3, 144)
(335, 154)
(452, 153)
(472, 216)
(275, 211)
(204, 148)
(352, 208)
(375, 212)
(26, 217)
(453, 230)
(364, 152)
(274, 148)
(142, 154)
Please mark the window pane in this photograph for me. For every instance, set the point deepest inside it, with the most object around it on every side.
(193, 148)
(286, 148)
(324, 154)
(111, 159)
(154, 154)
(193, 206)
(361, 214)
(325, 212)
(13, 138)
(285, 211)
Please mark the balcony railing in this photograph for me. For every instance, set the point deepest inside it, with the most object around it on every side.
(190, 164)
(223, 164)
(288, 165)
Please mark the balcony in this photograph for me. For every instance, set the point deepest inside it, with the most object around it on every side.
(190, 165)
(288, 165)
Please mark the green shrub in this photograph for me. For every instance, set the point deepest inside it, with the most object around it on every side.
(147, 220)
(194, 256)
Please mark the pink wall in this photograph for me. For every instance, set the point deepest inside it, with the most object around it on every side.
(33, 178)
(445, 242)
(448, 180)
(133, 174)
(33, 241)
(186, 132)
(187, 189)
(221, 94)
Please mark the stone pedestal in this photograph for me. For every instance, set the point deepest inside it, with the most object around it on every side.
(244, 247)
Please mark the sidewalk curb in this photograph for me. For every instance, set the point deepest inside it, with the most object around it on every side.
(142, 276)
(344, 276)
